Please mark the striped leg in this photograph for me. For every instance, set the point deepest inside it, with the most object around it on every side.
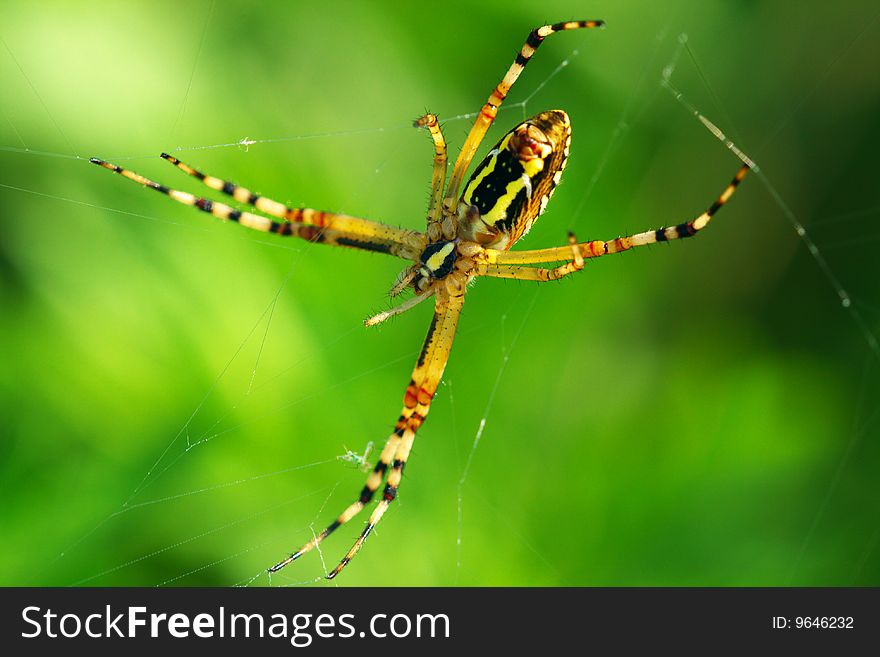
(599, 248)
(438, 179)
(490, 109)
(416, 404)
(309, 224)
(374, 480)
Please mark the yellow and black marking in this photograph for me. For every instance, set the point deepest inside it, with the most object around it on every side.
(682, 230)
(306, 223)
(438, 259)
(513, 264)
(374, 481)
(510, 188)
(499, 93)
(468, 234)
(354, 232)
(416, 405)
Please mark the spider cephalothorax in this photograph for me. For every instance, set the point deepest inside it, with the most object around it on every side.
(438, 259)
(468, 234)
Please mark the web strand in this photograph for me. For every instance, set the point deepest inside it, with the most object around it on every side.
(192, 73)
(799, 229)
(634, 109)
(40, 99)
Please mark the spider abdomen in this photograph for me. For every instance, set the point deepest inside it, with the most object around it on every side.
(511, 187)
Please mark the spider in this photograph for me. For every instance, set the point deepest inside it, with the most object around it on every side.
(470, 229)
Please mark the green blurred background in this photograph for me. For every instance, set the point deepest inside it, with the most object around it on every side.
(699, 413)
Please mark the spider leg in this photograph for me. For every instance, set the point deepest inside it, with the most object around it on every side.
(524, 273)
(374, 480)
(404, 278)
(598, 248)
(490, 109)
(309, 224)
(379, 237)
(378, 318)
(436, 229)
(416, 404)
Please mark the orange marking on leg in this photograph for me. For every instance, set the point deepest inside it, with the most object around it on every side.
(308, 232)
(415, 421)
(595, 249)
(411, 398)
(425, 396)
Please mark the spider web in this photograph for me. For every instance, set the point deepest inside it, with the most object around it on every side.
(236, 502)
